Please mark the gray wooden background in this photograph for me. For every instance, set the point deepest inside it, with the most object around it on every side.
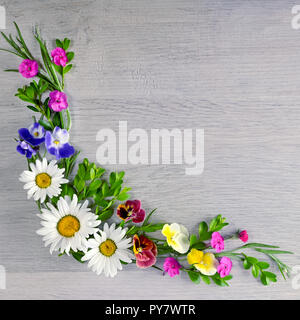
(229, 67)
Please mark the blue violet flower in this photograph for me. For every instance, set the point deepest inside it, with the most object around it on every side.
(34, 135)
(25, 149)
(57, 143)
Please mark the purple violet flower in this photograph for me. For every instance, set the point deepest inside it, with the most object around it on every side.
(25, 149)
(57, 143)
(34, 135)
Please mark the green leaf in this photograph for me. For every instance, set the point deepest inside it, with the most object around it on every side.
(247, 265)
(219, 281)
(133, 230)
(67, 68)
(30, 92)
(104, 189)
(203, 234)
(227, 278)
(24, 98)
(10, 70)
(81, 171)
(66, 44)
(205, 279)
(117, 191)
(194, 276)
(95, 184)
(86, 162)
(92, 174)
(100, 201)
(45, 124)
(264, 280)
(70, 191)
(70, 56)
(112, 178)
(255, 271)
(213, 223)
(252, 260)
(58, 69)
(199, 245)
(217, 224)
(152, 227)
(56, 119)
(263, 265)
(78, 255)
(32, 108)
(270, 275)
(220, 226)
(267, 251)
(99, 172)
(256, 244)
(58, 43)
(163, 250)
(43, 87)
(80, 185)
(193, 239)
(105, 215)
(123, 196)
(120, 175)
(148, 217)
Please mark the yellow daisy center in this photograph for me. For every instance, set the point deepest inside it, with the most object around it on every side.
(108, 248)
(68, 226)
(43, 180)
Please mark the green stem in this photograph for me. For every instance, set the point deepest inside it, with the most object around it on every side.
(61, 120)
(155, 267)
(45, 115)
(63, 78)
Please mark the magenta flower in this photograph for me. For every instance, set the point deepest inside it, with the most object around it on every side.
(58, 101)
(29, 68)
(171, 266)
(217, 241)
(59, 57)
(243, 235)
(224, 267)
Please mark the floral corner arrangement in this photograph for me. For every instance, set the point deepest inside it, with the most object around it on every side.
(74, 207)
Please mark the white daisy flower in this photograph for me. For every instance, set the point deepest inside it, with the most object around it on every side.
(68, 226)
(108, 250)
(43, 180)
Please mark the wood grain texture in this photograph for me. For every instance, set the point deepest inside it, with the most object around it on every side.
(230, 67)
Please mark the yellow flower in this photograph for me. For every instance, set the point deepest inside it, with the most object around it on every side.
(206, 263)
(177, 237)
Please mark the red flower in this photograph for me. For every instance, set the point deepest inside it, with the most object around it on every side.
(243, 235)
(145, 251)
(131, 210)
